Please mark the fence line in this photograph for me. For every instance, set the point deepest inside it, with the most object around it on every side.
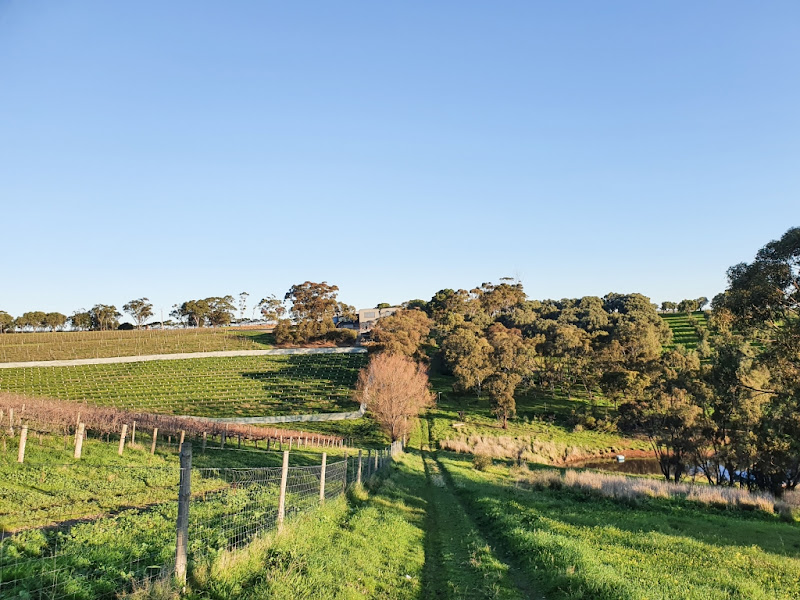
(185, 516)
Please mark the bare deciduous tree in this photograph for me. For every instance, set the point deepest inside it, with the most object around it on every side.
(395, 390)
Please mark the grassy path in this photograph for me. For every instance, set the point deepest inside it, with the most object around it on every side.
(459, 561)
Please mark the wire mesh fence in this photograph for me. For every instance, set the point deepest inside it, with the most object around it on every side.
(114, 529)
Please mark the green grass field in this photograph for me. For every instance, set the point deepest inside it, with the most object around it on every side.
(241, 386)
(92, 528)
(65, 345)
(52, 487)
(575, 544)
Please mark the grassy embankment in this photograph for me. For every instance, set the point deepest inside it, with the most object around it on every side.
(541, 432)
(575, 543)
(52, 487)
(105, 520)
(65, 345)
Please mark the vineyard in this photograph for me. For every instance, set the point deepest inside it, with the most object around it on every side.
(247, 386)
(686, 329)
(68, 345)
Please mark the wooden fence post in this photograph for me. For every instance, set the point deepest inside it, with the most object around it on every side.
(346, 468)
(155, 439)
(182, 528)
(205, 437)
(282, 497)
(183, 436)
(23, 439)
(358, 472)
(11, 422)
(79, 439)
(122, 439)
(322, 478)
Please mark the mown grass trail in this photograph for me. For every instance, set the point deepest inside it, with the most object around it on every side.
(404, 537)
(459, 561)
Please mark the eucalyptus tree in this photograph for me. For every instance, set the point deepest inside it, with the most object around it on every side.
(762, 302)
(6, 322)
(104, 317)
(140, 310)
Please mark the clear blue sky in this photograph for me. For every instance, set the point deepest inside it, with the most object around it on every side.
(178, 150)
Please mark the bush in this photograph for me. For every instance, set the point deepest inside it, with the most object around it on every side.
(283, 332)
(481, 462)
(345, 337)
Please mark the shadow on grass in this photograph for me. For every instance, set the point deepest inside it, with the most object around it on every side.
(583, 508)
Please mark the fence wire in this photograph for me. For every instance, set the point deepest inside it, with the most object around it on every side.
(77, 536)
(82, 531)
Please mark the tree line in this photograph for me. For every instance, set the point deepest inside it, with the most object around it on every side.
(729, 409)
(312, 307)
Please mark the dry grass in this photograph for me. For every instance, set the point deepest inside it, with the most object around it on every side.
(632, 488)
(521, 449)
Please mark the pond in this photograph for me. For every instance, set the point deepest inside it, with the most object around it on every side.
(634, 466)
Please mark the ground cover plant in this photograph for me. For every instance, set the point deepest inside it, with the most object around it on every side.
(577, 544)
(66, 345)
(241, 386)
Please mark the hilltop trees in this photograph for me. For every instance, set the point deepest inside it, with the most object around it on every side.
(271, 308)
(402, 332)
(6, 321)
(313, 307)
(668, 306)
(81, 320)
(215, 310)
(140, 310)
(54, 321)
(395, 389)
(104, 316)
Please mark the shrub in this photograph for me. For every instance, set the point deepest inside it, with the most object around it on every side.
(283, 332)
(481, 462)
(345, 337)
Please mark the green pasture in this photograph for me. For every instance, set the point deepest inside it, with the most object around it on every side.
(241, 386)
(66, 345)
(52, 487)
